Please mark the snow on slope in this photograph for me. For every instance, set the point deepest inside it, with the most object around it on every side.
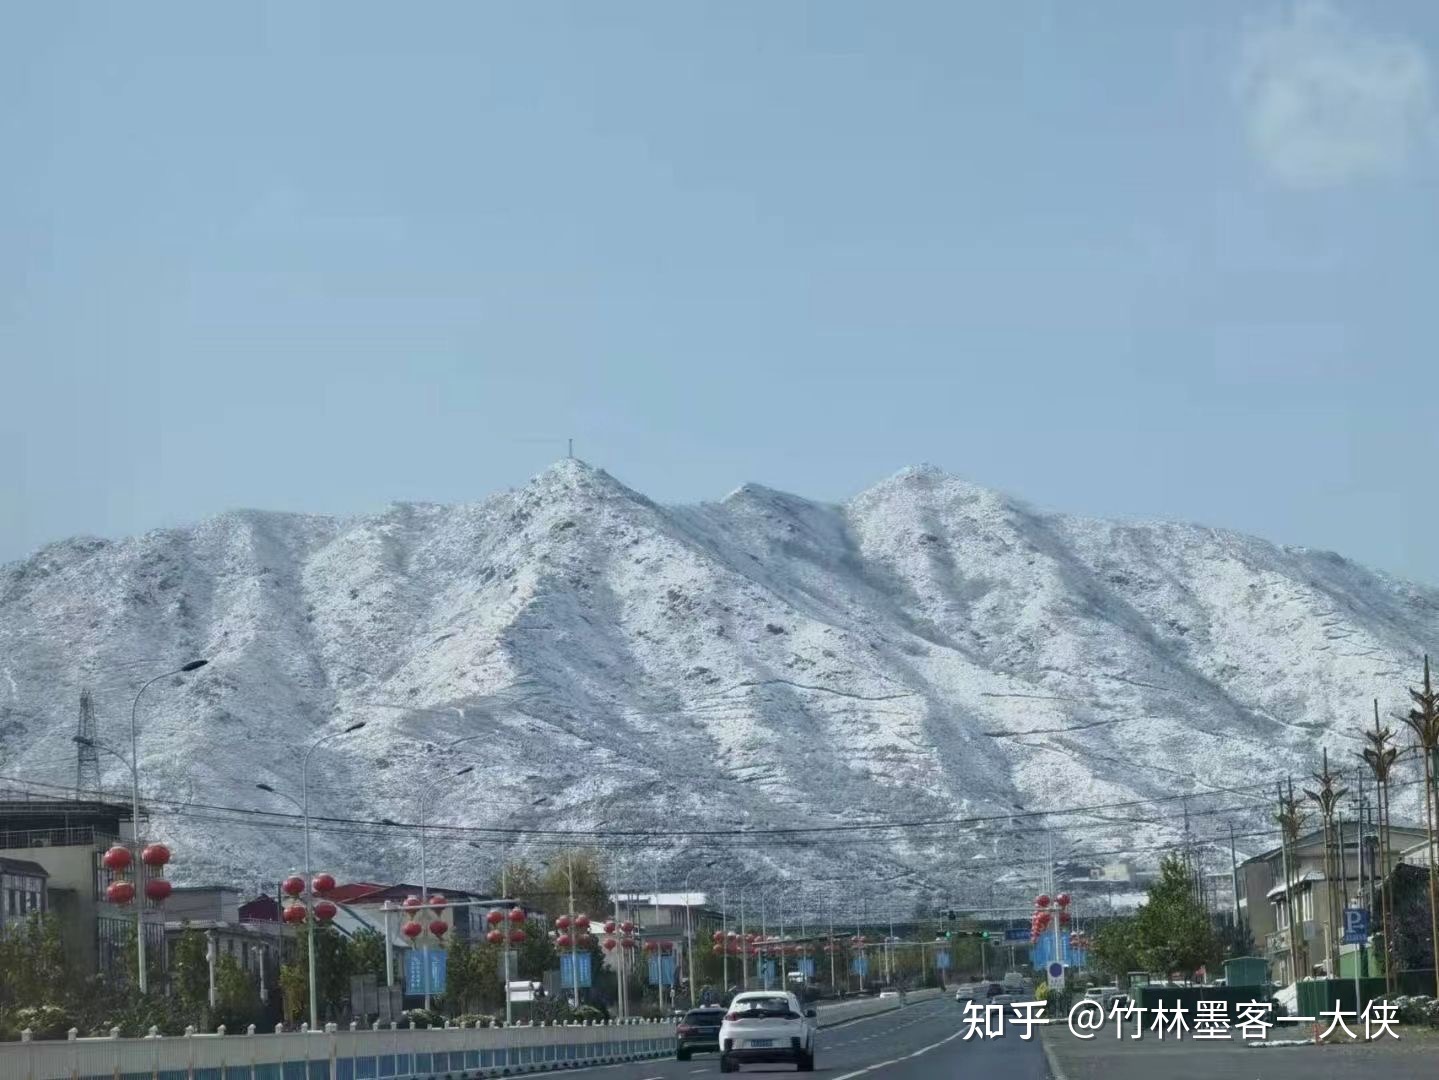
(931, 649)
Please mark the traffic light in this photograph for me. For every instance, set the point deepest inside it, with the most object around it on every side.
(984, 935)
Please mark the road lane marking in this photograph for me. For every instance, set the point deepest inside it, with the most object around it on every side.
(895, 1061)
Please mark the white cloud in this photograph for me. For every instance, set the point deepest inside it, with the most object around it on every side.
(1326, 102)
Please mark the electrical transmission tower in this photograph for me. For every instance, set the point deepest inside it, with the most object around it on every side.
(87, 758)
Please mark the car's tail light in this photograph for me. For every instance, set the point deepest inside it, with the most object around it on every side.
(730, 1018)
(685, 1029)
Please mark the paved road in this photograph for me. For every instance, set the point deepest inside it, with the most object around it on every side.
(1412, 1057)
(919, 1042)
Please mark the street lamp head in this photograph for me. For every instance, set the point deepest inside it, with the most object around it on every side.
(354, 727)
(266, 787)
(194, 665)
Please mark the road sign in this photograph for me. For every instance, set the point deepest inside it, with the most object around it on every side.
(859, 965)
(415, 972)
(1015, 935)
(1055, 971)
(805, 965)
(941, 959)
(584, 965)
(1356, 926)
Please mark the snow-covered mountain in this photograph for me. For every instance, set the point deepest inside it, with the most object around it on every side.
(765, 661)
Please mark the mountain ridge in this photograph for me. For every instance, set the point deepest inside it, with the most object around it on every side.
(929, 648)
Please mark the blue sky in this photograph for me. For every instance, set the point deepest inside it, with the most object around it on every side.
(1128, 259)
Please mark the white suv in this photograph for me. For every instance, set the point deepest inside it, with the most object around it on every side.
(765, 1026)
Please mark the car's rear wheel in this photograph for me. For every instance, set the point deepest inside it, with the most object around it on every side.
(806, 1062)
(726, 1065)
(682, 1055)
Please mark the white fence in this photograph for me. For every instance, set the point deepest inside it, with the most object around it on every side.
(385, 1054)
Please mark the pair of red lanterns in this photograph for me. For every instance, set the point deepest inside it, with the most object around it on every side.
(516, 917)
(117, 860)
(573, 932)
(1043, 916)
(294, 885)
(625, 941)
(413, 906)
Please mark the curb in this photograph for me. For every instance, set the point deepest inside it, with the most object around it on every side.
(1056, 1070)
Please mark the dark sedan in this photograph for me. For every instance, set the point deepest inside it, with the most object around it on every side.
(699, 1030)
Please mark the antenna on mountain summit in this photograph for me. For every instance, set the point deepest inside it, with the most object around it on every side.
(572, 447)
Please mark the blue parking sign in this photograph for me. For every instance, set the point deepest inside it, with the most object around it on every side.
(1356, 926)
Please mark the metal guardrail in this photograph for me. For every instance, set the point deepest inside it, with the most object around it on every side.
(400, 1054)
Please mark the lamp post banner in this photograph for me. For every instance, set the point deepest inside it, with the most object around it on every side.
(415, 972)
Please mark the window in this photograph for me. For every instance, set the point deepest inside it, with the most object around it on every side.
(13, 900)
(34, 900)
(1306, 905)
(1281, 915)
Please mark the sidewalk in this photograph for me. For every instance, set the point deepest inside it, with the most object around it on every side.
(1411, 1057)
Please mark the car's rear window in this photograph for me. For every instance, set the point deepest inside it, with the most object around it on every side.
(704, 1016)
(770, 1006)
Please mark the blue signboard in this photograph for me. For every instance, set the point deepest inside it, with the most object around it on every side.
(1356, 926)
(766, 971)
(941, 959)
(662, 970)
(567, 961)
(859, 965)
(1016, 934)
(415, 984)
(805, 965)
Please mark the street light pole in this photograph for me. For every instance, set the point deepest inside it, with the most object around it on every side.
(193, 665)
(304, 805)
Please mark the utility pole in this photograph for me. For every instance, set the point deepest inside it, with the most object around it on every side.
(1234, 878)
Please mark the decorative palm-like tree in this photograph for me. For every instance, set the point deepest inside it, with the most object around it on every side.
(1290, 819)
(1423, 720)
(1327, 798)
(1380, 757)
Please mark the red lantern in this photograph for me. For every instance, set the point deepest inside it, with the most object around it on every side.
(1064, 918)
(627, 927)
(322, 883)
(586, 941)
(718, 936)
(295, 913)
(563, 941)
(517, 915)
(119, 892)
(494, 918)
(649, 946)
(1062, 899)
(155, 855)
(437, 902)
(157, 889)
(412, 929)
(438, 927)
(116, 858)
(562, 923)
(628, 943)
(325, 911)
(582, 922)
(611, 926)
(517, 937)
(293, 885)
(495, 937)
(1042, 900)
(411, 904)
(609, 944)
